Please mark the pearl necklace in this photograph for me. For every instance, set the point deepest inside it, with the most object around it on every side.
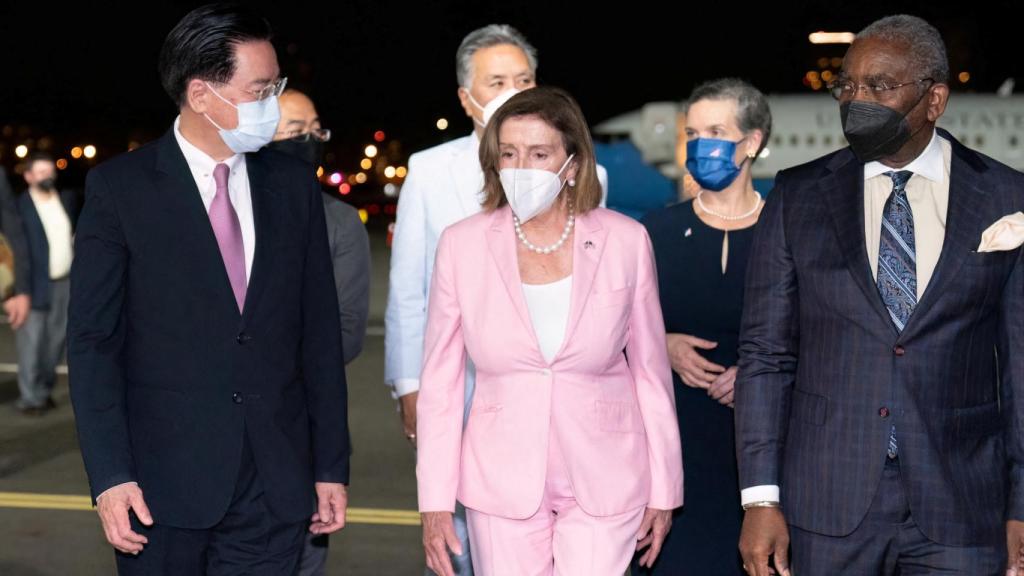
(757, 205)
(545, 249)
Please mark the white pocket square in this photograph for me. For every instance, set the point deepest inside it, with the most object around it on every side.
(1006, 234)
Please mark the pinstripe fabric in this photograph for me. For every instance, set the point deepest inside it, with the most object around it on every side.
(824, 374)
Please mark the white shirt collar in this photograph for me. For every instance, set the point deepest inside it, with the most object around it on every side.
(929, 163)
(200, 163)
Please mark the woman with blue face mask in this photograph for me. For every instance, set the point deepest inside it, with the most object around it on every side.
(701, 248)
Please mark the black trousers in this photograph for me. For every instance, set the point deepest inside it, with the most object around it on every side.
(248, 541)
(888, 543)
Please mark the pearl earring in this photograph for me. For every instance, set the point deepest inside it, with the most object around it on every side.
(572, 182)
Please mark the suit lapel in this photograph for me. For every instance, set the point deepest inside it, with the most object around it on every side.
(843, 190)
(181, 199)
(963, 229)
(501, 242)
(263, 197)
(588, 247)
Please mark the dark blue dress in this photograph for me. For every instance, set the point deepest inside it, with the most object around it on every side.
(698, 299)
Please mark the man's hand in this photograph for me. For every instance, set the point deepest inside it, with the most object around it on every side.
(331, 505)
(764, 533)
(438, 538)
(17, 308)
(1015, 548)
(407, 406)
(693, 369)
(113, 506)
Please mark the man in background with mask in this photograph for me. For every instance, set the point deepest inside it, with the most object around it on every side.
(47, 218)
(204, 344)
(880, 394)
(300, 134)
(444, 185)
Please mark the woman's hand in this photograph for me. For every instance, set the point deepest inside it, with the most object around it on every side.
(693, 369)
(438, 538)
(653, 530)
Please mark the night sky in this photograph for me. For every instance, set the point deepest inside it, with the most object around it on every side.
(87, 74)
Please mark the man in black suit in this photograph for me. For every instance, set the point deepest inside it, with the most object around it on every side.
(204, 343)
(881, 374)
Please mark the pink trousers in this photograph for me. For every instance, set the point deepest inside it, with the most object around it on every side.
(559, 539)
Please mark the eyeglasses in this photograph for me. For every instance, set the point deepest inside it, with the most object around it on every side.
(846, 89)
(275, 88)
(318, 134)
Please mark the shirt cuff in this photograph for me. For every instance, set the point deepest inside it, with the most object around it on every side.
(405, 386)
(763, 493)
(112, 487)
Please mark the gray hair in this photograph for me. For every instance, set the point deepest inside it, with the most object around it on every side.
(927, 50)
(752, 111)
(490, 35)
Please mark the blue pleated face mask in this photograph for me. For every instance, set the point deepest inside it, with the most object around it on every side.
(710, 162)
(257, 123)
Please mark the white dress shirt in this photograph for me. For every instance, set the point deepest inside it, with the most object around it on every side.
(57, 227)
(202, 166)
(928, 194)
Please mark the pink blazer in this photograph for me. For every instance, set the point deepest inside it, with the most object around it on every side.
(607, 394)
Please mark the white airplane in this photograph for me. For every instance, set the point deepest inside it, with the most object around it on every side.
(806, 126)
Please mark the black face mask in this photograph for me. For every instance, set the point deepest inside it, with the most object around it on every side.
(311, 150)
(48, 185)
(875, 131)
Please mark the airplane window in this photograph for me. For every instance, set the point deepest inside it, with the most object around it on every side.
(811, 140)
(794, 140)
(828, 140)
(1013, 141)
(979, 140)
(778, 140)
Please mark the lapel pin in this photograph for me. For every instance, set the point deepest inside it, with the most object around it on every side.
(588, 245)
(689, 232)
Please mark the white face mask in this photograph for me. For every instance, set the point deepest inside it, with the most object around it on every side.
(492, 106)
(531, 191)
(257, 123)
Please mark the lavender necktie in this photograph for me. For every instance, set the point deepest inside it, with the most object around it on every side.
(228, 231)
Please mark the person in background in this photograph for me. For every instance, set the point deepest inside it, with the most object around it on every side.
(701, 247)
(444, 185)
(18, 303)
(300, 134)
(48, 218)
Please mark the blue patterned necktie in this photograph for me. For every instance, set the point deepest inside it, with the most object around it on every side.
(897, 262)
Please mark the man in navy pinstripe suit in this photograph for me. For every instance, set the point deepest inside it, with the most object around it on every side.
(880, 393)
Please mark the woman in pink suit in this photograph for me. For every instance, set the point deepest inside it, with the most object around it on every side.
(569, 460)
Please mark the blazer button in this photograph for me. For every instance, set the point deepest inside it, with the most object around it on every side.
(237, 398)
(242, 338)
(899, 351)
(883, 412)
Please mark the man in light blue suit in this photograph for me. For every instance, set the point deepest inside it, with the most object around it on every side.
(444, 186)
